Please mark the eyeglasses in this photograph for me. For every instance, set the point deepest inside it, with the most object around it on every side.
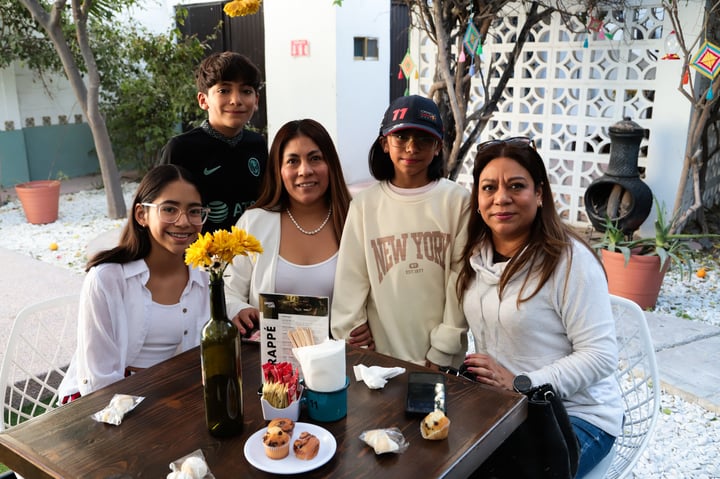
(402, 140)
(169, 213)
(516, 141)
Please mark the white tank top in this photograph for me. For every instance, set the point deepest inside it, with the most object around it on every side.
(165, 333)
(308, 280)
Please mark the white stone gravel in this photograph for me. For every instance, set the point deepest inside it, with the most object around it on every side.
(686, 443)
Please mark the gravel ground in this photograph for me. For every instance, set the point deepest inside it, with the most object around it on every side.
(686, 443)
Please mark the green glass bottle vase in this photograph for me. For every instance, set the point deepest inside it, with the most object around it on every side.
(221, 368)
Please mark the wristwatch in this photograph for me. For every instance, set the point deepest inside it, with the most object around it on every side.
(522, 383)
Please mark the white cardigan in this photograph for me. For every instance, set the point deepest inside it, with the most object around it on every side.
(113, 320)
(246, 277)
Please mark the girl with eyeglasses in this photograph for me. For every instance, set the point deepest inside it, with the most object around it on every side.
(536, 298)
(140, 304)
(394, 289)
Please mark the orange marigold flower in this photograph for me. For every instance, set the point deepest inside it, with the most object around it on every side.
(701, 273)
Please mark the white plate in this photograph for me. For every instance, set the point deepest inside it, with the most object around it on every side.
(255, 451)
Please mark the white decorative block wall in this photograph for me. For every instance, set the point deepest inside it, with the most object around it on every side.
(565, 95)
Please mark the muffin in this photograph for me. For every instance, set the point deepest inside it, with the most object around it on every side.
(306, 446)
(276, 442)
(287, 425)
(435, 426)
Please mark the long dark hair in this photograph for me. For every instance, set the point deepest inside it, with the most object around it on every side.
(549, 235)
(135, 239)
(274, 196)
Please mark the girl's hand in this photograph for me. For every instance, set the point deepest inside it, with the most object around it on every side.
(362, 336)
(488, 371)
(246, 320)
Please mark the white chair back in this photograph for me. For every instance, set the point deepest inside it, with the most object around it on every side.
(639, 381)
(40, 346)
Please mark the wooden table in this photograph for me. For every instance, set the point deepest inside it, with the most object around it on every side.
(170, 423)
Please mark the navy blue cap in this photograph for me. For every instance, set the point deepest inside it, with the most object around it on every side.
(413, 111)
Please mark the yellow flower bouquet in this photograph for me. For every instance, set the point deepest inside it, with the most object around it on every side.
(213, 252)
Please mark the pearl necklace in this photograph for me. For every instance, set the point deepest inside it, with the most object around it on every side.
(316, 230)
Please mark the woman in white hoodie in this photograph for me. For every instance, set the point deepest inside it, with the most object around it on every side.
(535, 297)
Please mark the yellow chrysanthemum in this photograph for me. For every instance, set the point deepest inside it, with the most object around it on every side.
(240, 8)
(214, 251)
(198, 254)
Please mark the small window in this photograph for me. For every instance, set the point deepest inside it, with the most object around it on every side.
(365, 48)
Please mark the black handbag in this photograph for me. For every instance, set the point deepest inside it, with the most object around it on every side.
(544, 446)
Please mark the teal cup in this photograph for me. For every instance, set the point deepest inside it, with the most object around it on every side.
(326, 406)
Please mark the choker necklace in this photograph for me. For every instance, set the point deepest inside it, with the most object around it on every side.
(312, 232)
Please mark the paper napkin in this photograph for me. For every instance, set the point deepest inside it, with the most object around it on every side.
(375, 377)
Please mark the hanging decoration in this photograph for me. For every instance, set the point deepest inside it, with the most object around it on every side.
(406, 67)
(472, 43)
(707, 60)
(672, 47)
(472, 38)
(595, 24)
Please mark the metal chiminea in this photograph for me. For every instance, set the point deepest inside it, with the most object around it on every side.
(620, 194)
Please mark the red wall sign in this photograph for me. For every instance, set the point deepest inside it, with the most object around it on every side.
(299, 48)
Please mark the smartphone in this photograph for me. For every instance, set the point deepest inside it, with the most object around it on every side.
(425, 393)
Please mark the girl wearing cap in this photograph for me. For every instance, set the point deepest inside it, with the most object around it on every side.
(399, 252)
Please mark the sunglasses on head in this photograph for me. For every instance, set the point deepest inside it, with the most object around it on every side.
(515, 141)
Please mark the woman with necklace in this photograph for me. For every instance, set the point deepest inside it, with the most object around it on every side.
(298, 218)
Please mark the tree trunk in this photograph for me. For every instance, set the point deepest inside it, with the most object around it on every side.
(87, 98)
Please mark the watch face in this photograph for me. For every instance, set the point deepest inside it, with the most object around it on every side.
(522, 383)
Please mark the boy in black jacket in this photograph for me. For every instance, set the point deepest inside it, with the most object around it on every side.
(227, 160)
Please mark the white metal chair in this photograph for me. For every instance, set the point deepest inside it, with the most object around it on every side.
(639, 381)
(41, 343)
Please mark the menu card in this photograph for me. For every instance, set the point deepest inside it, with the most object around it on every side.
(280, 313)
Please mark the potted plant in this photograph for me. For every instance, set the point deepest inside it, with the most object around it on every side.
(40, 199)
(636, 267)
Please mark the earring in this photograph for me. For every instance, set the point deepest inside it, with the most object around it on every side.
(478, 211)
(539, 204)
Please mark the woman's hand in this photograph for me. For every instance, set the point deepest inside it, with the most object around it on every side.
(246, 320)
(362, 336)
(486, 370)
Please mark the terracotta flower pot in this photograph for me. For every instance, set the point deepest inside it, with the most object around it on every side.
(639, 281)
(40, 200)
